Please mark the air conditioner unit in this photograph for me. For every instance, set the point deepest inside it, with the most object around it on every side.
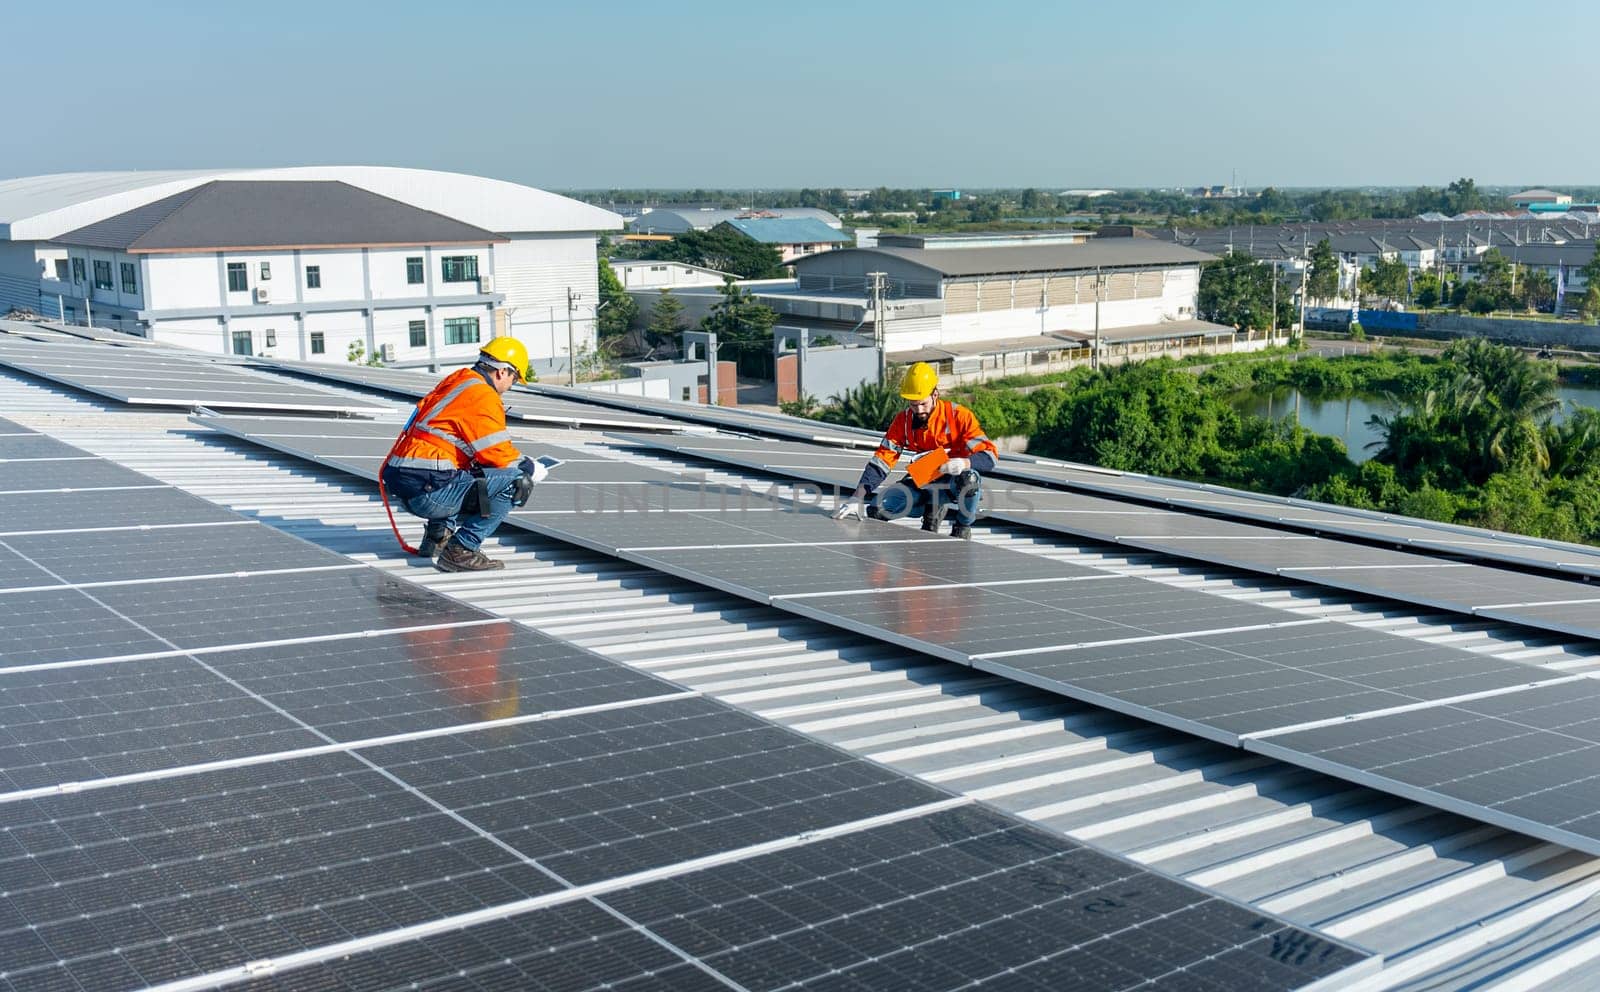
(261, 294)
(387, 351)
(485, 284)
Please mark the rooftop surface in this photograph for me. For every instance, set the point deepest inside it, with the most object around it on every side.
(1451, 903)
(273, 214)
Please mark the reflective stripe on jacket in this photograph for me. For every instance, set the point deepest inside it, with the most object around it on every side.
(460, 424)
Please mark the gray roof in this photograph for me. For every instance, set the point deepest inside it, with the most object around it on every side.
(1007, 259)
(273, 214)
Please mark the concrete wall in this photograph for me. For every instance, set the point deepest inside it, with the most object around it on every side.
(827, 372)
(679, 380)
(1528, 332)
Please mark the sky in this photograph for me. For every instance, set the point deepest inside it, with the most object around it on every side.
(817, 93)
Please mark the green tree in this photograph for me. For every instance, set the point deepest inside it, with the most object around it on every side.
(1387, 278)
(1462, 195)
(1493, 282)
(721, 248)
(1590, 308)
(1427, 291)
(617, 308)
(1237, 290)
(1535, 289)
(666, 320)
(738, 320)
(870, 405)
(1322, 282)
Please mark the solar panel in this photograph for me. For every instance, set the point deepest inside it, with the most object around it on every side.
(150, 378)
(317, 772)
(521, 404)
(1230, 671)
(1471, 588)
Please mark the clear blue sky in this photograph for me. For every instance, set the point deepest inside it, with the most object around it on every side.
(815, 92)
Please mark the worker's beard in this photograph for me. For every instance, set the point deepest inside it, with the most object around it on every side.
(919, 420)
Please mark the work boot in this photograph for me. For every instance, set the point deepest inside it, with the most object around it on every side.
(961, 531)
(434, 538)
(930, 517)
(457, 558)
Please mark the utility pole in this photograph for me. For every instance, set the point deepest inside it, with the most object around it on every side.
(572, 352)
(1099, 284)
(879, 339)
(1274, 331)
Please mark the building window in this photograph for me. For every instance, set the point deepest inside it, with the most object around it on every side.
(419, 334)
(461, 330)
(319, 344)
(77, 270)
(238, 278)
(414, 271)
(102, 274)
(242, 344)
(272, 338)
(130, 278)
(61, 269)
(313, 277)
(460, 268)
(266, 271)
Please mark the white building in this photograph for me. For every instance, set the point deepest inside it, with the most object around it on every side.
(646, 273)
(414, 265)
(967, 289)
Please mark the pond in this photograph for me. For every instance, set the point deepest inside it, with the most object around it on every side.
(1346, 417)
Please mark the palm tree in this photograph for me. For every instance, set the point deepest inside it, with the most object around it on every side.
(870, 405)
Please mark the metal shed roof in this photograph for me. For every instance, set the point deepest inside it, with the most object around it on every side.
(1116, 253)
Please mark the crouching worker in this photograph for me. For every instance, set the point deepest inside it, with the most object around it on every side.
(950, 452)
(454, 464)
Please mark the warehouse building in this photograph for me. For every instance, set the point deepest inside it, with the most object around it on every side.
(414, 266)
(682, 220)
(962, 290)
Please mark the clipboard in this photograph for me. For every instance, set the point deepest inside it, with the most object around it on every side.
(926, 468)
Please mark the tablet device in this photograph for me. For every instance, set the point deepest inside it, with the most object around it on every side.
(547, 461)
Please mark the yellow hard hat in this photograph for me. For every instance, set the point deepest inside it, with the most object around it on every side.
(919, 382)
(511, 351)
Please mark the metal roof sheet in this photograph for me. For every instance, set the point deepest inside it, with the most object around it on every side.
(786, 230)
(1009, 259)
(273, 214)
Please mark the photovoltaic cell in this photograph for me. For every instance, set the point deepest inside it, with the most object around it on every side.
(570, 947)
(42, 476)
(1526, 761)
(256, 608)
(79, 724)
(1470, 587)
(151, 378)
(176, 872)
(21, 513)
(610, 793)
(904, 907)
(155, 881)
(423, 680)
(154, 554)
(33, 446)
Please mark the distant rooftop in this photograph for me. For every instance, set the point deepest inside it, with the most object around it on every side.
(1117, 253)
(273, 214)
(981, 239)
(787, 230)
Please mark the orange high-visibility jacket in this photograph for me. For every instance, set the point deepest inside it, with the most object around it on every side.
(951, 426)
(460, 424)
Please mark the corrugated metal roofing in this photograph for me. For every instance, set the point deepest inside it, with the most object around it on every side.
(1008, 259)
(273, 215)
(1453, 904)
(787, 230)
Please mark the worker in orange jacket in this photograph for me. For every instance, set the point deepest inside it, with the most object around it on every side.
(454, 464)
(951, 453)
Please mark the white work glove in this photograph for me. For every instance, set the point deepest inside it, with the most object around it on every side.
(955, 466)
(851, 507)
(534, 469)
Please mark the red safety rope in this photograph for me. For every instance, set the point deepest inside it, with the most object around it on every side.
(383, 492)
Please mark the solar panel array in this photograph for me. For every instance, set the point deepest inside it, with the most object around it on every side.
(1235, 672)
(1474, 589)
(158, 377)
(1460, 541)
(230, 757)
(521, 403)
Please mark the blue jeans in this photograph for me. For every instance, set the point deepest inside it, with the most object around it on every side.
(907, 499)
(444, 504)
